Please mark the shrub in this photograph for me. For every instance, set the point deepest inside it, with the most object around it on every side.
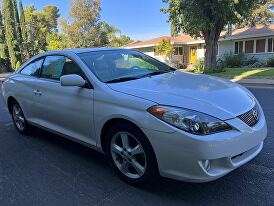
(199, 65)
(179, 65)
(256, 65)
(232, 61)
(270, 62)
(250, 61)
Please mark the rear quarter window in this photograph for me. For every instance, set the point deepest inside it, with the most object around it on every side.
(33, 68)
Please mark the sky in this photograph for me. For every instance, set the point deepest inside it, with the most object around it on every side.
(139, 19)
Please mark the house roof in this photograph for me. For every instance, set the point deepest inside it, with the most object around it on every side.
(150, 42)
(247, 32)
(257, 31)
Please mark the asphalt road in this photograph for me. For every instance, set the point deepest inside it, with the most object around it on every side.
(45, 169)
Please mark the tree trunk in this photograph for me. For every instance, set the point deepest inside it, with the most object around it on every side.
(211, 53)
(211, 40)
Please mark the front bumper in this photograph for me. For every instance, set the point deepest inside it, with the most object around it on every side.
(193, 158)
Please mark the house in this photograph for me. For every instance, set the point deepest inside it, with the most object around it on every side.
(255, 42)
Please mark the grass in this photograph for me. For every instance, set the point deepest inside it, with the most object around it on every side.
(243, 73)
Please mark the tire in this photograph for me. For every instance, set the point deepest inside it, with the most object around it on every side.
(133, 159)
(19, 119)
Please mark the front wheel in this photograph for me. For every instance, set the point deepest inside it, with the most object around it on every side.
(131, 154)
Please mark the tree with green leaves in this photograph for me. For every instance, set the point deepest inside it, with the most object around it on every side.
(55, 41)
(16, 23)
(264, 14)
(39, 25)
(119, 40)
(165, 49)
(4, 54)
(207, 19)
(25, 53)
(11, 36)
(84, 30)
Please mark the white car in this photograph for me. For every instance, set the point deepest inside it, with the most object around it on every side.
(147, 117)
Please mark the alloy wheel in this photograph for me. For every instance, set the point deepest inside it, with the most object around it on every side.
(128, 155)
(18, 117)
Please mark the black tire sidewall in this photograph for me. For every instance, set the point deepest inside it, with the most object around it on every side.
(151, 169)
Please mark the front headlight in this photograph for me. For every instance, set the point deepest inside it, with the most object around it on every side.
(189, 120)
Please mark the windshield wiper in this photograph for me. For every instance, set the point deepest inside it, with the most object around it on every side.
(154, 73)
(122, 79)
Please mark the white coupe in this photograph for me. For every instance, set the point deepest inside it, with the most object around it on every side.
(146, 117)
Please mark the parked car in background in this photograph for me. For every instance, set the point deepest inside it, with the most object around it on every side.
(146, 117)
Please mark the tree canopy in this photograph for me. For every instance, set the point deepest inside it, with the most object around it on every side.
(25, 32)
(207, 19)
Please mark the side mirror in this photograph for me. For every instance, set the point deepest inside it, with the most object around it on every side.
(72, 80)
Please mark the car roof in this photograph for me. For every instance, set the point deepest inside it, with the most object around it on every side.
(81, 50)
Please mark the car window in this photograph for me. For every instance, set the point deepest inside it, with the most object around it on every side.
(52, 67)
(70, 67)
(33, 68)
(56, 66)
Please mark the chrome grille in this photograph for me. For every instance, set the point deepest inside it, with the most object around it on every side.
(251, 117)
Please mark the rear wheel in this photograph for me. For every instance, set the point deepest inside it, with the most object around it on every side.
(131, 154)
(19, 119)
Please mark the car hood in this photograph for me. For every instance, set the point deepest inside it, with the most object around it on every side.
(215, 96)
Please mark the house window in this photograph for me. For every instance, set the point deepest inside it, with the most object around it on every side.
(260, 46)
(238, 49)
(270, 45)
(178, 51)
(249, 46)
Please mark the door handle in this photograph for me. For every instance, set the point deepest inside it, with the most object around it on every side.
(37, 92)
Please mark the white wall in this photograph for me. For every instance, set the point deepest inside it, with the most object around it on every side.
(150, 51)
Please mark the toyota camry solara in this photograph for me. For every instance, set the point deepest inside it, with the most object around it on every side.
(146, 117)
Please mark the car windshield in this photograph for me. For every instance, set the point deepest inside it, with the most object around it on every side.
(122, 65)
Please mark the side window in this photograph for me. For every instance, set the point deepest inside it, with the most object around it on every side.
(52, 67)
(70, 67)
(56, 66)
(33, 68)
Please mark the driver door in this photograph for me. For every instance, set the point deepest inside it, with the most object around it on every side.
(66, 110)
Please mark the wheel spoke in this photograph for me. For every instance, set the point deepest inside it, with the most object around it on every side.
(124, 167)
(124, 138)
(21, 119)
(139, 168)
(117, 149)
(137, 150)
(16, 110)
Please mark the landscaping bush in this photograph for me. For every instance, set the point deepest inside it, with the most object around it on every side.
(232, 61)
(256, 65)
(270, 62)
(179, 65)
(199, 65)
(250, 61)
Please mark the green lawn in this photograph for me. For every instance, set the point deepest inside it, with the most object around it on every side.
(244, 73)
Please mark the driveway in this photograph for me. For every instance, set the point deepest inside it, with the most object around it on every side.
(45, 169)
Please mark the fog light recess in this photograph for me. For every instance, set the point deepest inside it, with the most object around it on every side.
(206, 164)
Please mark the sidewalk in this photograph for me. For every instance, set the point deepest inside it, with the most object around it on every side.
(255, 82)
